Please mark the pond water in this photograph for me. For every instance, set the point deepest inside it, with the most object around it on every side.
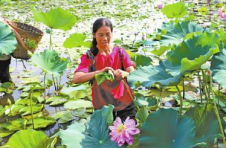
(21, 75)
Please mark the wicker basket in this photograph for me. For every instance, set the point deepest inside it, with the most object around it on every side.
(31, 37)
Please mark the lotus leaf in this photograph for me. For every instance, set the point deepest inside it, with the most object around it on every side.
(96, 136)
(192, 53)
(139, 59)
(176, 10)
(25, 101)
(66, 117)
(56, 100)
(218, 68)
(56, 18)
(101, 77)
(76, 40)
(5, 133)
(27, 109)
(72, 105)
(177, 32)
(41, 122)
(58, 115)
(207, 125)
(77, 92)
(147, 76)
(36, 115)
(2, 110)
(31, 139)
(14, 125)
(160, 51)
(50, 62)
(14, 109)
(203, 10)
(8, 42)
(163, 129)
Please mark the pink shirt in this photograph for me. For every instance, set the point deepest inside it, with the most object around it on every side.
(118, 90)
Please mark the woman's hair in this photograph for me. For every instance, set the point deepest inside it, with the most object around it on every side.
(96, 25)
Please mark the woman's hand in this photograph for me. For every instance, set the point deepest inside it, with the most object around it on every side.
(120, 74)
(107, 69)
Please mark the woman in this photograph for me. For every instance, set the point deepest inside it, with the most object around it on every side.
(101, 57)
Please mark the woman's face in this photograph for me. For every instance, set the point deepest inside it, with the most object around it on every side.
(103, 37)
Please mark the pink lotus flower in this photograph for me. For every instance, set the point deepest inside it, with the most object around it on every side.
(222, 13)
(122, 133)
(160, 6)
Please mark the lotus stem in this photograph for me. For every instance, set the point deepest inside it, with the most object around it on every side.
(181, 101)
(50, 40)
(160, 94)
(30, 98)
(45, 86)
(200, 86)
(183, 90)
(217, 113)
(204, 86)
(131, 96)
(54, 83)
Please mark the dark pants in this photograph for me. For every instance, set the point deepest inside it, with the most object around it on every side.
(130, 111)
(4, 71)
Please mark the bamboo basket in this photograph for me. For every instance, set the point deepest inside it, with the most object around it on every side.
(31, 37)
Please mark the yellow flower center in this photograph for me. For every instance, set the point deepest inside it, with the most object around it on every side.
(120, 128)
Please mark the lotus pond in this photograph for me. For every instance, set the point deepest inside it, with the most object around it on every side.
(179, 84)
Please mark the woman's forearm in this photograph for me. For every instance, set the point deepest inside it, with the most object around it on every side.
(81, 77)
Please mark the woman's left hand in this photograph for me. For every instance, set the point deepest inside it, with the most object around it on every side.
(120, 74)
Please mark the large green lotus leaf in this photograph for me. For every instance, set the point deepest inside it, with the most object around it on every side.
(76, 40)
(192, 53)
(8, 42)
(160, 51)
(56, 18)
(222, 34)
(14, 125)
(177, 32)
(31, 139)
(41, 122)
(163, 129)
(101, 77)
(176, 10)
(167, 65)
(50, 62)
(140, 60)
(218, 68)
(147, 76)
(96, 136)
(207, 126)
(72, 105)
(77, 92)
(27, 110)
(142, 114)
